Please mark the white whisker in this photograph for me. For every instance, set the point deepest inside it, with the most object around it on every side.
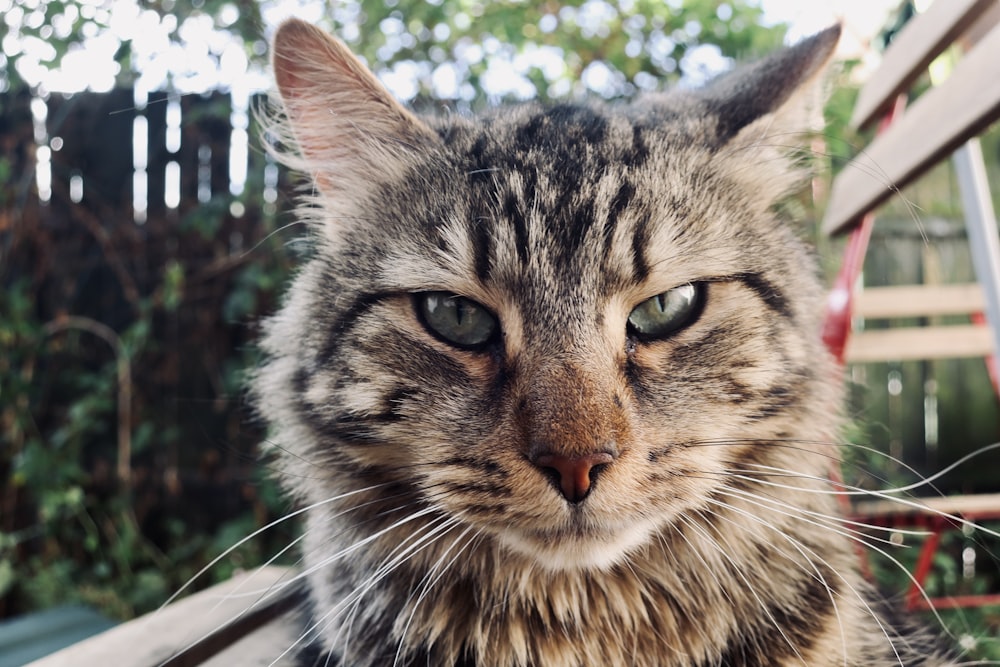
(738, 570)
(434, 575)
(254, 534)
(854, 538)
(812, 558)
(855, 491)
(414, 542)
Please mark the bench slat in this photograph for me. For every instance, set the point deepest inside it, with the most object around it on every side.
(190, 630)
(263, 647)
(913, 49)
(919, 301)
(973, 507)
(912, 343)
(936, 124)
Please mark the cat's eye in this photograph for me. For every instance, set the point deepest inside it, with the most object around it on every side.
(456, 319)
(667, 312)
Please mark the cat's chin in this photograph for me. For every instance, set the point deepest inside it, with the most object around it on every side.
(572, 551)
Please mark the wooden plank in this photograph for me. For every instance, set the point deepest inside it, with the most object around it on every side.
(983, 25)
(189, 631)
(264, 646)
(908, 343)
(936, 124)
(919, 301)
(913, 49)
(972, 507)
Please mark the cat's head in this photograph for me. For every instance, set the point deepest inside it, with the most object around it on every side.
(564, 327)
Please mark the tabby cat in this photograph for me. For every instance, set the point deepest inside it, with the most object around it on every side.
(551, 384)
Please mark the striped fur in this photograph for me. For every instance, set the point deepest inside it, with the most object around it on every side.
(712, 537)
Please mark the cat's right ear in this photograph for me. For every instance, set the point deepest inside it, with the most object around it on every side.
(347, 128)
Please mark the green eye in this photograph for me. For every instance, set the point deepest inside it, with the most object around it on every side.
(455, 319)
(667, 312)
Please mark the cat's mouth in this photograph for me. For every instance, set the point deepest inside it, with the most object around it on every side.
(577, 547)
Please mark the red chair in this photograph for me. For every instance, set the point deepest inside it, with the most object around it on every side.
(943, 121)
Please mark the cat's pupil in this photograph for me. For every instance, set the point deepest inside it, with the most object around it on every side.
(667, 312)
(456, 319)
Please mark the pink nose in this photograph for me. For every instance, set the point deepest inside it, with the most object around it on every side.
(573, 475)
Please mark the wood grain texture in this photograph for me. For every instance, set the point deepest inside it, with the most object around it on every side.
(190, 631)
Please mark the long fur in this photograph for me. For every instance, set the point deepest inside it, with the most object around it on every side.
(436, 534)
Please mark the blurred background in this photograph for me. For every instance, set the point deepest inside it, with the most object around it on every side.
(144, 232)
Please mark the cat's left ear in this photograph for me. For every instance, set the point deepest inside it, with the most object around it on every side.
(780, 94)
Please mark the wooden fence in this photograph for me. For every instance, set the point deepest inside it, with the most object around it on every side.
(150, 226)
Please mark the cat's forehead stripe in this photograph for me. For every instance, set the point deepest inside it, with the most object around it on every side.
(559, 182)
(513, 214)
(482, 244)
(640, 244)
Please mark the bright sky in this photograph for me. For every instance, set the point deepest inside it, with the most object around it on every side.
(862, 19)
(153, 53)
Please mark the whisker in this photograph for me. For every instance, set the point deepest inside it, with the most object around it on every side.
(428, 583)
(835, 519)
(928, 481)
(854, 491)
(805, 446)
(258, 532)
(279, 230)
(874, 548)
(802, 549)
(746, 582)
(328, 620)
(412, 544)
(724, 591)
(300, 576)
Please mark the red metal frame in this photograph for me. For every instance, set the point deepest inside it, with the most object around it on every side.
(836, 332)
(840, 302)
(915, 595)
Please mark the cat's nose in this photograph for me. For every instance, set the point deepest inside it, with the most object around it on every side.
(573, 475)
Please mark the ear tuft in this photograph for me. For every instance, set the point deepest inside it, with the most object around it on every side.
(347, 128)
(769, 85)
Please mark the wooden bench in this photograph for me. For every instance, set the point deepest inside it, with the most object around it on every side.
(943, 120)
(947, 116)
(247, 621)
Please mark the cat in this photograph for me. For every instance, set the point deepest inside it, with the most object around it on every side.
(551, 384)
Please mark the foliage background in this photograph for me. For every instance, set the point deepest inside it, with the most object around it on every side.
(83, 288)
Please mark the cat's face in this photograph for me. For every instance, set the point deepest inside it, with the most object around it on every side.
(562, 328)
